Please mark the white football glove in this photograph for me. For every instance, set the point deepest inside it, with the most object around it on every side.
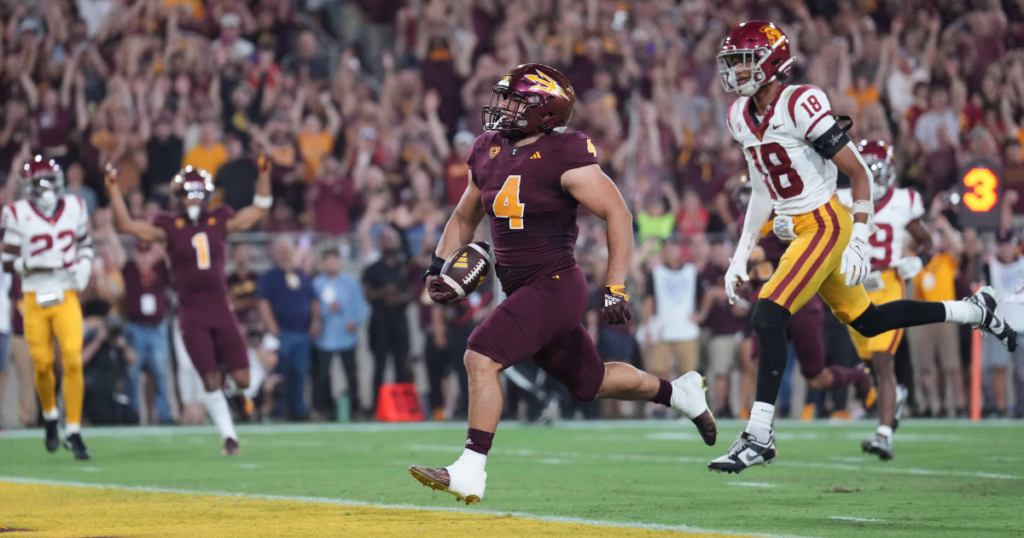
(856, 262)
(734, 276)
(19, 266)
(82, 270)
(908, 267)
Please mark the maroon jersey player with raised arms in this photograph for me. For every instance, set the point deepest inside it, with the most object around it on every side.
(196, 239)
(530, 178)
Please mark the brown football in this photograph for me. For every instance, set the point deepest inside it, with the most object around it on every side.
(467, 268)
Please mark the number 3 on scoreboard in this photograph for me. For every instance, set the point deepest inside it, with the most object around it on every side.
(202, 245)
(506, 203)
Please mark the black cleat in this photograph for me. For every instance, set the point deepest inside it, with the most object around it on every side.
(986, 298)
(52, 436)
(745, 452)
(74, 444)
(879, 446)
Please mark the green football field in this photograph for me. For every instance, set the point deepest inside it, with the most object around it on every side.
(949, 478)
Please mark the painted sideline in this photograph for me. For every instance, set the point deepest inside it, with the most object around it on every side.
(351, 502)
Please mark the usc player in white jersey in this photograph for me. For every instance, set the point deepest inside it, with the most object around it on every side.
(793, 147)
(897, 212)
(46, 241)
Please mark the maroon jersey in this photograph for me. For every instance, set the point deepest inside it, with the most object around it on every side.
(144, 299)
(533, 219)
(196, 251)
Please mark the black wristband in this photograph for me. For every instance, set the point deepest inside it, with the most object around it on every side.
(831, 142)
(434, 268)
(925, 257)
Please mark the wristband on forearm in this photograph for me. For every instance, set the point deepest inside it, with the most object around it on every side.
(434, 269)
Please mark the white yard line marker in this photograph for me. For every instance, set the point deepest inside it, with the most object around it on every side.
(848, 518)
(751, 484)
(350, 502)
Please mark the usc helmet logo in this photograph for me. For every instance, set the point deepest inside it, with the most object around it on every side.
(545, 83)
(773, 33)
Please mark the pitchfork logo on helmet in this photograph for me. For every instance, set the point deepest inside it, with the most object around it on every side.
(192, 184)
(877, 155)
(531, 98)
(753, 54)
(42, 183)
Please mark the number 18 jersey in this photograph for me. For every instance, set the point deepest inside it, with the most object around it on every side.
(197, 253)
(532, 218)
(779, 149)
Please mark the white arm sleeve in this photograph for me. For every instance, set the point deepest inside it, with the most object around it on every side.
(12, 235)
(758, 211)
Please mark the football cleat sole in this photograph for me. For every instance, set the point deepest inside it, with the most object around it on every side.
(869, 448)
(422, 475)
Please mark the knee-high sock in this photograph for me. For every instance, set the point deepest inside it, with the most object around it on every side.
(256, 376)
(217, 407)
(769, 320)
(73, 386)
(842, 376)
(878, 319)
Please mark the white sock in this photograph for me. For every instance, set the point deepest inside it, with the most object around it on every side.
(217, 407)
(963, 312)
(232, 389)
(760, 424)
(886, 432)
(73, 428)
(52, 414)
(472, 459)
(255, 380)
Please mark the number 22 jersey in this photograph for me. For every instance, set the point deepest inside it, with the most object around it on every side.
(532, 218)
(197, 253)
(780, 151)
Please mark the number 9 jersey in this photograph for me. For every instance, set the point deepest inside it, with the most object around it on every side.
(50, 246)
(785, 150)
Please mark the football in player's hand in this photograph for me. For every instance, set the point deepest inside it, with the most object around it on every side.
(467, 268)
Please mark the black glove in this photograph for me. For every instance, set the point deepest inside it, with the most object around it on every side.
(434, 269)
(616, 305)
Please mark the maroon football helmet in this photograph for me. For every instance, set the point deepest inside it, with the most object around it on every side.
(530, 98)
(757, 49)
(878, 156)
(42, 182)
(192, 184)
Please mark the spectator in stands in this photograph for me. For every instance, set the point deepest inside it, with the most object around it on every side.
(671, 299)
(387, 285)
(937, 346)
(291, 312)
(236, 179)
(146, 279)
(343, 310)
(209, 154)
(106, 357)
(242, 286)
(1005, 272)
(20, 357)
(939, 126)
(332, 199)
(165, 151)
(75, 178)
(5, 334)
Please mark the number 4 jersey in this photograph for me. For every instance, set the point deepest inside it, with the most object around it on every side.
(197, 252)
(788, 151)
(533, 219)
(49, 243)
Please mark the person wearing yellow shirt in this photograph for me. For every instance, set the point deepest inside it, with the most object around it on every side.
(938, 345)
(209, 154)
(314, 139)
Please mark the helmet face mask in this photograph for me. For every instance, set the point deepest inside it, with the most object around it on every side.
(878, 157)
(192, 188)
(733, 64)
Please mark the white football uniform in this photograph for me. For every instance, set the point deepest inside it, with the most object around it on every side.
(893, 213)
(54, 243)
(779, 149)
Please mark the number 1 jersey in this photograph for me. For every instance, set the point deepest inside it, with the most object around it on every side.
(779, 148)
(532, 218)
(197, 252)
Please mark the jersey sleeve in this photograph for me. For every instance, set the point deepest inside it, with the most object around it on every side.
(916, 205)
(577, 151)
(480, 146)
(813, 121)
(222, 213)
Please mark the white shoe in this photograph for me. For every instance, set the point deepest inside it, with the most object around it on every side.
(460, 479)
(901, 400)
(689, 398)
(987, 299)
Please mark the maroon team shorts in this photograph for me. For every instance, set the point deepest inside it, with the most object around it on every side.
(213, 336)
(543, 321)
(805, 331)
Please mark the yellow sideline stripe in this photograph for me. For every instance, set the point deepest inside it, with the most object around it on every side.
(75, 512)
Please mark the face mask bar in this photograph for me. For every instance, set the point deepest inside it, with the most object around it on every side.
(882, 176)
(507, 112)
(732, 62)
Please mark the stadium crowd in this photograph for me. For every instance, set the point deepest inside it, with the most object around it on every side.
(368, 109)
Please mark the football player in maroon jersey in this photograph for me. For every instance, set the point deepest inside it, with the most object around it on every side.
(196, 239)
(530, 177)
